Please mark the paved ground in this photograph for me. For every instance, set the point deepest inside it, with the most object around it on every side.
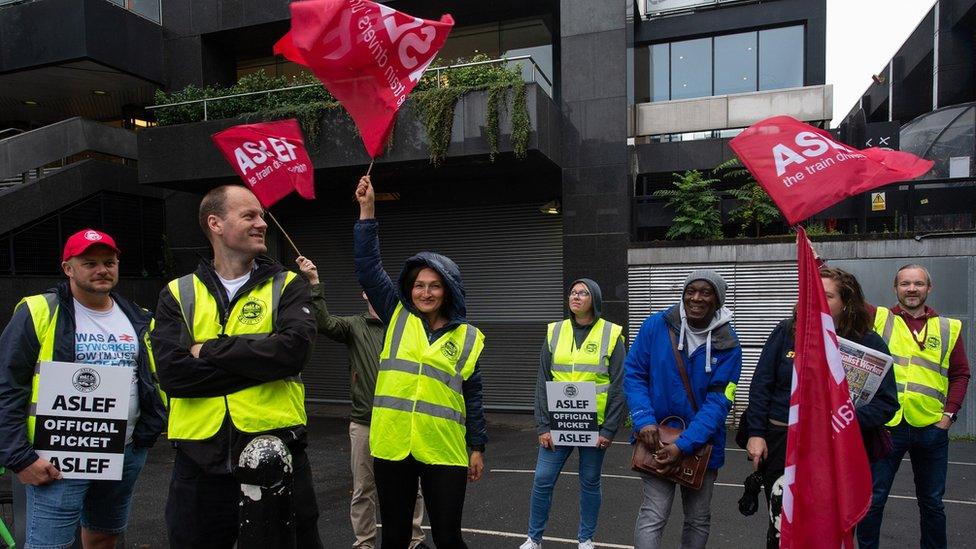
(496, 508)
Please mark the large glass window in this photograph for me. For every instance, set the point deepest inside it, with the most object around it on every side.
(732, 63)
(691, 74)
(508, 39)
(660, 72)
(735, 63)
(781, 58)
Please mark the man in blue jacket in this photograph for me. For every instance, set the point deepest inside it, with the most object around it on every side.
(60, 325)
(699, 328)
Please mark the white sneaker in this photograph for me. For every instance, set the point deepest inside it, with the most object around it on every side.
(588, 544)
(529, 544)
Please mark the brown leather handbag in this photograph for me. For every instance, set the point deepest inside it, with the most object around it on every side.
(691, 471)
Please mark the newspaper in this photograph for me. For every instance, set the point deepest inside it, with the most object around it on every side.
(865, 369)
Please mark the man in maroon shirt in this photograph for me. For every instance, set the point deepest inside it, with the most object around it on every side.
(932, 374)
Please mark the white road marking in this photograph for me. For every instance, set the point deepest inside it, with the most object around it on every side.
(906, 459)
(518, 535)
(724, 484)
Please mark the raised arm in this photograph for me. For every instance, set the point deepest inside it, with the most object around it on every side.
(372, 277)
(334, 327)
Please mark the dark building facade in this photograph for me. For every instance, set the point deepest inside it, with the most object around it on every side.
(620, 94)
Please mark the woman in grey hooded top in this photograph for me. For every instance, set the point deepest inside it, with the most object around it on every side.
(581, 348)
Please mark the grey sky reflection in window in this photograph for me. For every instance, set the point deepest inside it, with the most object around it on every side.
(691, 68)
(735, 63)
(781, 58)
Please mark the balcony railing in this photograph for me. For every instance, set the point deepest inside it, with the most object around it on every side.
(915, 208)
(534, 69)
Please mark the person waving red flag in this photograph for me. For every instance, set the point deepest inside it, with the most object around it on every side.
(368, 56)
(827, 480)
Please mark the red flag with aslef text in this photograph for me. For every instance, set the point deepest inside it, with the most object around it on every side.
(270, 158)
(827, 479)
(369, 56)
(805, 170)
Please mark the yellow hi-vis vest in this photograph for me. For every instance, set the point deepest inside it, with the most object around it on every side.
(591, 362)
(266, 407)
(418, 407)
(44, 310)
(922, 376)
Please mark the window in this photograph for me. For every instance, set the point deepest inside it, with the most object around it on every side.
(781, 58)
(717, 65)
(691, 62)
(504, 39)
(735, 63)
(660, 72)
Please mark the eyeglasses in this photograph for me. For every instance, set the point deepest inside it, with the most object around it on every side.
(581, 293)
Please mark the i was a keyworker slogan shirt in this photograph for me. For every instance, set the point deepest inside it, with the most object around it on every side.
(107, 338)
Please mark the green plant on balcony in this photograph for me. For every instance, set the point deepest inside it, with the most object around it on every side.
(695, 204)
(755, 208)
(438, 92)
(436, 96)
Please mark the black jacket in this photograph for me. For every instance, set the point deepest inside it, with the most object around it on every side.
(20, 349)
(228, 364)
(769, 392)
(384, 296)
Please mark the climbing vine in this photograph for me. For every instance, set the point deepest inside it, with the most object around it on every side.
(521, 125)
(436, 108)
(436, 98)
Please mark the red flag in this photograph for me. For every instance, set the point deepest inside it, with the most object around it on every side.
(805, 170)
(368, 55)
(270, 157)
(827, 481)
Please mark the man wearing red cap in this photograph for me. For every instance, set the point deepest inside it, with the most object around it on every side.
(59, 325)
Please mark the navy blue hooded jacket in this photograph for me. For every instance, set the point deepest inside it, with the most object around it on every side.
(17, 361)
(384, 295)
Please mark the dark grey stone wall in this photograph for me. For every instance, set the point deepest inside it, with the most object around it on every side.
(34, 34)
(596, 189)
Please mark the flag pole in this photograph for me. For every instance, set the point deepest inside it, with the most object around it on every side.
(370, 168)
(282, 229)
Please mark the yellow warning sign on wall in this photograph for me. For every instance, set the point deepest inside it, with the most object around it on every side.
(878, 202)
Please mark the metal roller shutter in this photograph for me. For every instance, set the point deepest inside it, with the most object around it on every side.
(759, 295)
(511, 262)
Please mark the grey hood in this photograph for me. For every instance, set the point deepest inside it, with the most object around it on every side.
(595, 294)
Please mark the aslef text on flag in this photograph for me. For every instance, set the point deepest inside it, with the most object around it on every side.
(805, 170)
(270, 157)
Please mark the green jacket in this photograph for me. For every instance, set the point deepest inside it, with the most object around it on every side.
(363, 337)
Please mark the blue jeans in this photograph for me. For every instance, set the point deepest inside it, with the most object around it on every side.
(53, 510)
(547, 468)
(928, 448)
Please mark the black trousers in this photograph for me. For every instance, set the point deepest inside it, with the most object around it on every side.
(202, 510)
(772, 469)
(443, 487)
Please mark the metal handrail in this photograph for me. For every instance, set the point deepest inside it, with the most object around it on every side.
(437, 70)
